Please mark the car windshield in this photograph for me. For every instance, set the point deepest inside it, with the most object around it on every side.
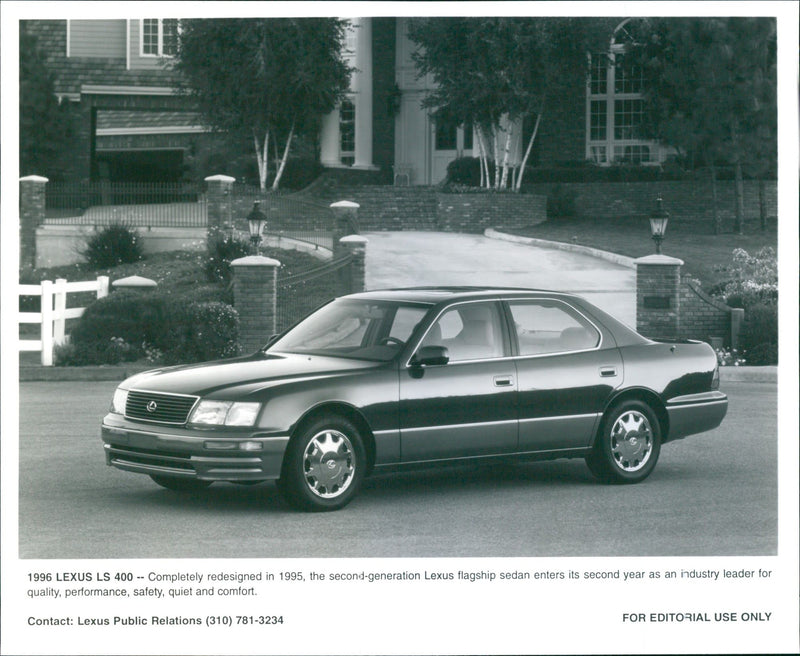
(354, 328)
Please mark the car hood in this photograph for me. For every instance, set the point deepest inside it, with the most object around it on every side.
(242, 376)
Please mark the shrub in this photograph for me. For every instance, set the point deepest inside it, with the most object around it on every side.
(221, 252)
(759, 334)
(116, 244)
(178, 329)
(466, 171)
(753, 279)
(560, 202)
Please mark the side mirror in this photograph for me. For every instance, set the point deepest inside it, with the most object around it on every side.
(431, 355)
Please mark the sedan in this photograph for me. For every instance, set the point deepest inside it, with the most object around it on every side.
(400, 378)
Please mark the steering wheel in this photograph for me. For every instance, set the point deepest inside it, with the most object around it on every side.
(391, 340)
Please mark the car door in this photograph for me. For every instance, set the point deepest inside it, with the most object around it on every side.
(566, 371)
(466, 407)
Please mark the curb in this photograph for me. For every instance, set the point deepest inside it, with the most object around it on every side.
(614, 258)
(35, 373)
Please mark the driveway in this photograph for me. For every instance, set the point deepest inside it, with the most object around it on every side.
(407, 259)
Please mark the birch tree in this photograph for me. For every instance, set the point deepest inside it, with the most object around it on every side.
(270, 79)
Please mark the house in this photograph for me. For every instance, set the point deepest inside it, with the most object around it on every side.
(130, 124)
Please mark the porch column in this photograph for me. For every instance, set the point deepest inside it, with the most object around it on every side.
(329, 140)
(362, 86)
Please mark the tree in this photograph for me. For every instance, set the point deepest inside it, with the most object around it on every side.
(44, 124)
(494, 72)
(269, 78)
(712, 92)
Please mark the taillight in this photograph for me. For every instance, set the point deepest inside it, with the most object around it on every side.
(715, 378)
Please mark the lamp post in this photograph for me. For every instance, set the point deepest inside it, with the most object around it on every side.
(256, 222)
(658, 224)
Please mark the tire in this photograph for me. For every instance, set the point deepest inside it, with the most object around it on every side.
(627, 447)
(177, 484)
(324, 465)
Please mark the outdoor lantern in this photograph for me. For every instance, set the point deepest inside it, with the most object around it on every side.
(256, 221)
(658, 224)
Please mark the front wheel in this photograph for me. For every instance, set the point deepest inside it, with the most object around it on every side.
(627, 448)
(324, 465)
(177, 484)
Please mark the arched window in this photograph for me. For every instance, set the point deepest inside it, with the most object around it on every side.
(615, 104)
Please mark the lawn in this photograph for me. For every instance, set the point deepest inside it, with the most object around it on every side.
(705, 256)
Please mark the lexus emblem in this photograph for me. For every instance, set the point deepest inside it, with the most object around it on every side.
(152, 406)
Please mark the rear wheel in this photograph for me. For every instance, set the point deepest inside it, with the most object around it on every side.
(178, 484)
(324, 465)
(628, 446)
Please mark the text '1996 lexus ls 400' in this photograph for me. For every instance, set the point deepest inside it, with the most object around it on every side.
(396, 378)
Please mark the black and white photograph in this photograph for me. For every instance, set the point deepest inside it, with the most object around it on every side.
(400, 328)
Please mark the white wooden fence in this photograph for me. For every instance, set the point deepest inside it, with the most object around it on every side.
(54, 312)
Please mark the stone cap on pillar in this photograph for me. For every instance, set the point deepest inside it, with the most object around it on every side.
(34, 178)
(134, 282)
(220, 178)
(355, 240)
(345, 204)
(255, 260)
(658, 259)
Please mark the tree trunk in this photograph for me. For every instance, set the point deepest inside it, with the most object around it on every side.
(717, 227)
(506, 155)
(279, 174)
(739, 199)
(496, 158)
(528, 151)
(262, 156)
(485, 177)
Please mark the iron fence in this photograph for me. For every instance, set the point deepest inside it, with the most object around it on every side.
(299, 294)
(137, 204)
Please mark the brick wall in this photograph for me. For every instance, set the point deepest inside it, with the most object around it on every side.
(685, 200)
(706, 318)
(385, 207)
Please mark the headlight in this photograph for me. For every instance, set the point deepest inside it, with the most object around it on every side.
(119, 401)
(225, 413)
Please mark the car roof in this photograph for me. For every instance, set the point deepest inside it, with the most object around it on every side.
(452, 293)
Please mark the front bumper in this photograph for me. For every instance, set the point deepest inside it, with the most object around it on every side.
(212, 455)
(695, 413)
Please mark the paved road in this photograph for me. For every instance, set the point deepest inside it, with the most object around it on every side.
(405, 259)
(714, 494)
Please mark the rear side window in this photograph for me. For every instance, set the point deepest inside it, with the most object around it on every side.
(551, 327)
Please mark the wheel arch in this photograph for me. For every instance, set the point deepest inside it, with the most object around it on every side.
(346, 411)
(644, 395)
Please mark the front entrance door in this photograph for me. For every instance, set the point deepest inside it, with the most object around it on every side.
(449, 142)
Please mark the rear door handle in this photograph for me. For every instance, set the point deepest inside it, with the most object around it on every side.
(608, 372)
(503, 381)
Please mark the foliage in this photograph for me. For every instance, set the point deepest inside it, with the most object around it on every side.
(494, 72)
(560, 202)
(128, 325)
(759, 334)
(44, 124)
(221, 251)
(265, 79)
(465, 171)
(115, 244)
(712, 91)
(752, 279)
(730, 358)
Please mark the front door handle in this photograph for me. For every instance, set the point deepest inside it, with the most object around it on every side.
(503, 381)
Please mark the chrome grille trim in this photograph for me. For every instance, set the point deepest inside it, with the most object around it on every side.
(171, 409)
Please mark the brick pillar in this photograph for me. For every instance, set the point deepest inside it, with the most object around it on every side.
(218, 203)
(658, 282)
(31, 216)
(353, 277)
(255, 297)
(345, 222)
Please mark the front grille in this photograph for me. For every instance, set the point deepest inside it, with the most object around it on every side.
(160, 408)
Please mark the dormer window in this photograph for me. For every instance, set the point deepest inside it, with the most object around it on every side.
(159, 37)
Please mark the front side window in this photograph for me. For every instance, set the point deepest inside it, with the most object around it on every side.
(349, 328)
(472, 331)
(551, 327)
(160, 37)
